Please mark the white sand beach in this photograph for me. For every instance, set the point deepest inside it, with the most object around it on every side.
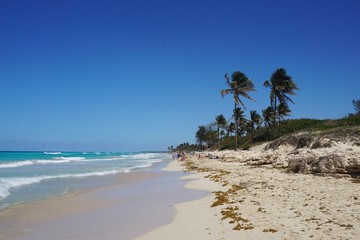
(254, 201)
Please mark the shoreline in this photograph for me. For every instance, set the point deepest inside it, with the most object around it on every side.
(134, 204)
(218, 198)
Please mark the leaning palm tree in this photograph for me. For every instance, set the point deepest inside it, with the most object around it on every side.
(239, 85)
(221, 124)
(255, 120)
(281, 86)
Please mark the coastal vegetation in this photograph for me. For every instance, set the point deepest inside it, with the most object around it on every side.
(239, 132)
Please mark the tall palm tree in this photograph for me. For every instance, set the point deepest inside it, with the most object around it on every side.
(255, 120)
(239, 85)
(221, 124)
(281, 86)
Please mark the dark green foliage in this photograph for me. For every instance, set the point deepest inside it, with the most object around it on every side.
(294, 125)
(350, 121)
(221, 123)
(228, 143)
(343, 126)
(200, 135)
(255, 121)
(186, 147)
(207, 136)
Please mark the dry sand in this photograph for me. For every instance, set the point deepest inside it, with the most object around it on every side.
(264, 202)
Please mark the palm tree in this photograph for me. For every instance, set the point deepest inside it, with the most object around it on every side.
(230, 129)
(240, 120)
(283, 111)
(255, 119)
(268, 115)
(281, 86)
(221, 124)
(239, 85)
(201, 135)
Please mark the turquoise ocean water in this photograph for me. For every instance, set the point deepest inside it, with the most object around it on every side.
(29, 176)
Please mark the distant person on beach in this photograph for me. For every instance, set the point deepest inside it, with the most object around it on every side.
(182, 156)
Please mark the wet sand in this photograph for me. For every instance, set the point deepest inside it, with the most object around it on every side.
(134, 204)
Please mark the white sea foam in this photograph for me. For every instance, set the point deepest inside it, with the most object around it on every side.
(53, 153)
(56, 160)
(7, 183)
(14, 182)
(122, 163)
(144, 165)
(69, 158)
(16, 164)
(144, 155)
(148, 157)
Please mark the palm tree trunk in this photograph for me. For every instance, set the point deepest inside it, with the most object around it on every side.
(235, 123)
(274, 118)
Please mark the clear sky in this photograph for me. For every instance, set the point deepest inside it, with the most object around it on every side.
(143, 75)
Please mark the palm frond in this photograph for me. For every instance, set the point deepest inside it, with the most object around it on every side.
(246, 95)
(225, 92)
(267, 84)
(288, 99)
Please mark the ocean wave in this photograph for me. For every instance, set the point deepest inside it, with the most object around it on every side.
(53, 153)
(56, 160)
(147, 157)
(16, 164)
(14, 182)
(144, 165)
(32, 162)
(69, 158)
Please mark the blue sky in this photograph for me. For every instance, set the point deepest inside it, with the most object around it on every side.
(143, 75)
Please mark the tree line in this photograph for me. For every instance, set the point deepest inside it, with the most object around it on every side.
(257, 127)
(223, 133)
(238, 131)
